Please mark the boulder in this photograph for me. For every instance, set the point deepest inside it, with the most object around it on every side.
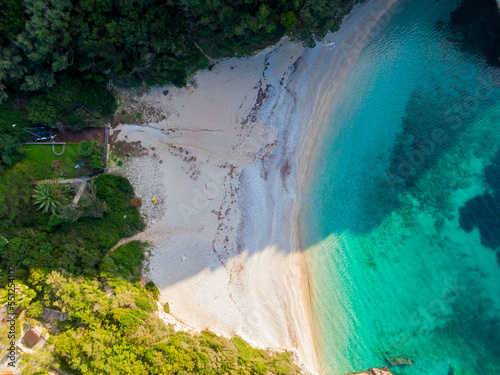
(374, 371)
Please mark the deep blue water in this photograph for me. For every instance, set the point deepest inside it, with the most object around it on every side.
(403, 219)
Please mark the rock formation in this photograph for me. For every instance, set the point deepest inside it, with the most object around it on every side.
(397, 361)
(374, 371)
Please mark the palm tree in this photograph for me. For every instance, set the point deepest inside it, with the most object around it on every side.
(50, 196)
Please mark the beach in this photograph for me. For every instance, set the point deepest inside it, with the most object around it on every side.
(227, 159)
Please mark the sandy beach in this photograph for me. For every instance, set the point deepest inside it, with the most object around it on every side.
(228, 161)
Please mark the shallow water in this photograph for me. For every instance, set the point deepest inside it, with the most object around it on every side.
(402, 222)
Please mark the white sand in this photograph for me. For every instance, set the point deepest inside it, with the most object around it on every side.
(226, 160)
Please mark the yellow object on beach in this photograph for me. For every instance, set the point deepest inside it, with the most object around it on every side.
(154, 200)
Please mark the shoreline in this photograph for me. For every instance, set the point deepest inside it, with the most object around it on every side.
(228, 161)
(315, 140)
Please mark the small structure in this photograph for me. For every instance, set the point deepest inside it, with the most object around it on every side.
(43, 134)
(50, 314)
(7, 372)
(31, 337)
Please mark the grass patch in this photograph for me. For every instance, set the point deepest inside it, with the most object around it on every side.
(44, 165)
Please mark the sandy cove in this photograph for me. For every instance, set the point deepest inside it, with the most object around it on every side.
(227, 159)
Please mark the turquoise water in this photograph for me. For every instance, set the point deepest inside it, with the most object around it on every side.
(403, 220)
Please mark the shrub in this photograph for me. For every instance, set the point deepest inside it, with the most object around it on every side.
(153, 289)
(42, 111)
(96, 97)
(117, 192)
(15, 191)
(128, 319)
(76, 121)
(136, 202)
(92, 152)
(113, 189)
(34, 310)
(88, 148)
(56, 164)
(77, 103)
(55, 220)
(125, 261)
(166, 307)
(144, 303)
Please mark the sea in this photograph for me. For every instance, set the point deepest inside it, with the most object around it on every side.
(402, 220)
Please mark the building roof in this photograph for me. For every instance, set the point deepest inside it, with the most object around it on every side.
(31, 337)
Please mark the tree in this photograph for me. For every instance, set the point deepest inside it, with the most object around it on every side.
(15, 190)
(37, 363)
(37, 278)
(10, 149)
(34, 310)
(289, 20)
(10, 116)
(45, 41)
(11, 16)
(41, 111)
(81, 298)
(50, 196)
(149, 41)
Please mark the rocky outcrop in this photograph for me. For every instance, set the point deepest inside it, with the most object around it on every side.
(374, 371)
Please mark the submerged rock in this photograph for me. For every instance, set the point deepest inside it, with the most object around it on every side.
(454, 371)
(396, 361)
(373, 371)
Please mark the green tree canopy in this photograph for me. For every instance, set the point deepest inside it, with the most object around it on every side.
(10, 150)
(151, 41)
(15, 191)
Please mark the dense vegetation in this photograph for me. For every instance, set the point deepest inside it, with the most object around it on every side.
(62, 251)
(44, 42)
(123, 335)
(74, 238)
(60, 54)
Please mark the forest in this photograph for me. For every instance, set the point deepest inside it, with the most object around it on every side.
(47, 42)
